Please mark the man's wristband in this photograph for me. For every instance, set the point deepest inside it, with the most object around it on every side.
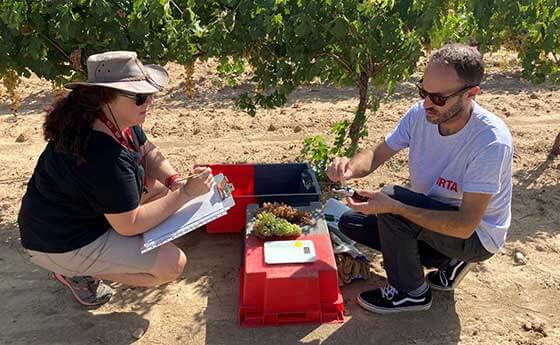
(171, 180)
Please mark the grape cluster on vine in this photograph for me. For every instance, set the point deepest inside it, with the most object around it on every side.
(11, 81)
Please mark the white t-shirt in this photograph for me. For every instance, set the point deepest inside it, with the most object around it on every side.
(476, 159)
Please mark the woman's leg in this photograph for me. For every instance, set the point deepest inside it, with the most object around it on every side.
(169, 265)
(169, 260)
(117, 258)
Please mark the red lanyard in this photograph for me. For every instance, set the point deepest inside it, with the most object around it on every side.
(122, 139)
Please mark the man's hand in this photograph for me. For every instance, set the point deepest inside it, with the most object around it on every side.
(362, 164)
(460, 223)
(377, 203)
(339, 170)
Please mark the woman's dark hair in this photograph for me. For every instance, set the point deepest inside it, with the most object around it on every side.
(69, 125)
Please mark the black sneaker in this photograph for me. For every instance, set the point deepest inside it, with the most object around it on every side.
(448, 278)
(388, 300)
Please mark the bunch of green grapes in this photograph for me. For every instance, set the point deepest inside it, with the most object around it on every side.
(76, 58)
(189, 83)
(268, 225)
(58, 91)
(11, 81)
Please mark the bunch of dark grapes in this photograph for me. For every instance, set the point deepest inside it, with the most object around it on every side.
(286, 212)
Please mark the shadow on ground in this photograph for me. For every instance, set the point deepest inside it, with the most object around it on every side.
(37, 311)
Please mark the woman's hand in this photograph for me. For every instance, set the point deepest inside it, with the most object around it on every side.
(177, 185)
(200, 184)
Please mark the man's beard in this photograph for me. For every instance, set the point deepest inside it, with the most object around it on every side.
(452, 113)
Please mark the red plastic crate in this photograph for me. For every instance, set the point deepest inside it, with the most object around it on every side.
(242, 177)
(290, 183)
(290, 293)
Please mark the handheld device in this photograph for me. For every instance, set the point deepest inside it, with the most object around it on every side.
(349, 193)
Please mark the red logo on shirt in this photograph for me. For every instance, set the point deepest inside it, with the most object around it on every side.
(447, 184)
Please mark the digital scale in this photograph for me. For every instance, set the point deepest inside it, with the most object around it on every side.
(289, 252)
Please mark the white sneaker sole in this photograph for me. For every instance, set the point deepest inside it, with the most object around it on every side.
(380, 310)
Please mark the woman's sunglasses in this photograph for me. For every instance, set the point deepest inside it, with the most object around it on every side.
(139, 98)
(437, 98)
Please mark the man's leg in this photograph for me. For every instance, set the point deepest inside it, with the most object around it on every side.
(363, 228)
(401, 255)
(360, 228)
(464, 254)
(407, 289)
(394, 230)
(406, 247)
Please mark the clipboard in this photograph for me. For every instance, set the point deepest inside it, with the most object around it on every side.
(194, 214)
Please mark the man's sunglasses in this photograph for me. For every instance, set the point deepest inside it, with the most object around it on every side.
(437, 98)
(139, 98)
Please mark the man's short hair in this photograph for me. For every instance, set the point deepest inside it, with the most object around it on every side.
(467, 61)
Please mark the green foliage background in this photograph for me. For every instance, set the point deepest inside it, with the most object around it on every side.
(370, 44)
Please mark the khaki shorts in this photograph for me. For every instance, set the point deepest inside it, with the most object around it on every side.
(109, 254)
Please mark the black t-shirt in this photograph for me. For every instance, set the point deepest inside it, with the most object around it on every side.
(64, 205)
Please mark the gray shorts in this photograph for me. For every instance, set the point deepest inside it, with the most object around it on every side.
(109, 254)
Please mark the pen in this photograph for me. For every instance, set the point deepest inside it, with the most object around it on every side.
(189, 176)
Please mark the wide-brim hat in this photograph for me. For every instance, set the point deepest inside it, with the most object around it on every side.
(121, 70)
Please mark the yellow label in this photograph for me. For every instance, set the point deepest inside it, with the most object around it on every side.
(297, 244)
